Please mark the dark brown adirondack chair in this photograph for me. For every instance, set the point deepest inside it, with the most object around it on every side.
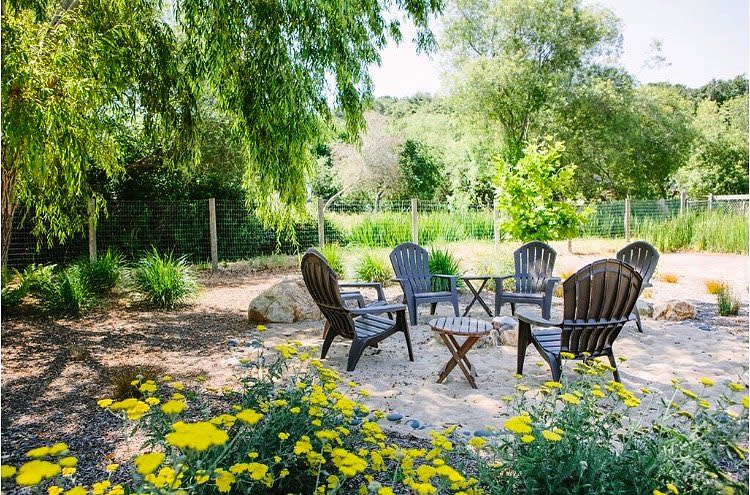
(643, 257)
(410, 264)
(361, 325)
(534, 283)
(598, 302)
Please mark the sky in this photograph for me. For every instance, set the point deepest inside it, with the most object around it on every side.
(701, 40)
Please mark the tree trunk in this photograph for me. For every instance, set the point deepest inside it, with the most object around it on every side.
(8, 206)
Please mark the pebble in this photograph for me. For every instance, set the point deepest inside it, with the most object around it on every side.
(255, 343)
(414, 423)
(233, 342)
(394, 416)
(482, 433)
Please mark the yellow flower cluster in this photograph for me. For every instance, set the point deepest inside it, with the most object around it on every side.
(197, 436)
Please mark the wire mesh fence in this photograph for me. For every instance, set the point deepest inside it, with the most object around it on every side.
(183, 227)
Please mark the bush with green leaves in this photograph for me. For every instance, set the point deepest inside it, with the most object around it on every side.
(373, 268)
(442, 262)
(728, 304)
(335, 258)
(67, 292)
(163, 280)
(104, 273)
(592, 436)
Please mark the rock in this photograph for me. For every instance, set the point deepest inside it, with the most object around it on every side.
(645, 308)
(254, 343)
(286, 302)
(394, 416)
(503, 323)
(233, 343)
(675, 311)
(482, 433)
(414, 423)
(509, 337)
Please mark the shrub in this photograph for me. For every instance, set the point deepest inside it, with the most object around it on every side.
(373, 268)
(335, 257)
(37, 277)
(442, 262)
(14, 289)
(125, 380)
(728, 304)
(714, 286)
(596, 437)
(68, 292)
(104, 273)
(163, 280)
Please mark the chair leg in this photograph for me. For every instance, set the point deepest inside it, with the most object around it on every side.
(638, 319)
(455, 306)
(513, 308)
(358, 346)
(412, 305)
(524, 339)
(613, 363)
(329, 336)
(433, 307)
(555, 364)
(546, 308)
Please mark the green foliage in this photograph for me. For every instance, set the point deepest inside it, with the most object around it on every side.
(710, 231)
(103, 274)
(373, 268)
(163, 280)
(421, 170)
(68, 292)
(335, 257)
(599, 438)
(536, 195)
(124, 380)
(327, 180)
(442, 262)
(727, 303)
(14, 289)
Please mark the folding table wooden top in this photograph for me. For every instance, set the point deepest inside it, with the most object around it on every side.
(471, 328)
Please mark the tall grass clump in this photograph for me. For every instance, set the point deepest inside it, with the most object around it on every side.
(717, 231)
(67, 292)
(105, 273)
(384, 229)
(163, 280)
(728, 304)
(442, 262)
(334, 256)
(372, 268)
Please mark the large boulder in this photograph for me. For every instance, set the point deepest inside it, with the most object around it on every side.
(675, 310)
(286, 302)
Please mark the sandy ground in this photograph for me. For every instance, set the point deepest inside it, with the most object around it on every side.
(54, 370)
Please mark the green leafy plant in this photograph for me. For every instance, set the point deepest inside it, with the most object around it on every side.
(104, 273)
(536, 195)
(728, 304)
(442, 262)
(372, 268)
(67, 292)
(163, 280)
(335, 257)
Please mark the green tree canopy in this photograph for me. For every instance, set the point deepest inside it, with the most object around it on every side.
(421, 170)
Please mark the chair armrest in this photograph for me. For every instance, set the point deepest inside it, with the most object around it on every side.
(374, 285)
(440, 275)
(537, 321)
(452, 278)
(499, 282)
(373, 310)
(554, 280)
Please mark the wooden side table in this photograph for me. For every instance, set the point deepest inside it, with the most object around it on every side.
(471, 328)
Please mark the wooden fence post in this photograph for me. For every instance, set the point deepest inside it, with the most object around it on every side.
(321, 222)
(92, 229)
(495, 222)
(212, 232)
(710, 202)
(414, 220)
(683, 202)
(627, 219)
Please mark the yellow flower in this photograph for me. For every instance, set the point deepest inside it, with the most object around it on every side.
(147, 463)
(133, 408)
(249, 416)
(551, 436)
(386, 490)
(745, 402)
(348, 463)
(148, 388)
(68, 471)
(286, 350)
(631, 402)
(326, 434)
(688, 393)
(283, 473)
(261, 328)
(527, 438)
(303, 445)
(597, 393)
(477, 442)
(570, 399)
(178, 386)
(224, 480)
(737, 387)
(7, 471)
(77, 490)
(111, 468)
(283, 436)
(173, 407)
(295, 410)
(658, 492)
(518, 424)
(706, 382)
(100, 487)
(553, 384)
(704, 404)
(152, 401)
(196, 436)
(104, 403)
(68, 462)
(116, 490)
(54, 490)
(672, 488)
(567, 355)
(257, 470)
(33, 472)
(38, 452)
(201, 478)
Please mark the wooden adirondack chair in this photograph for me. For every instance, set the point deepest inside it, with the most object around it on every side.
(361, 325)
(410, 264)
(599, 301)
(534, 283)
(643, 257)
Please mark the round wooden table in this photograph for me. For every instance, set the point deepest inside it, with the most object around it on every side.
(471, 328)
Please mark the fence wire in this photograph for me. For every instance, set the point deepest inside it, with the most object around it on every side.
(182, 227)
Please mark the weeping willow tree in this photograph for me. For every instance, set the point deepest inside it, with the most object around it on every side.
(78, 72)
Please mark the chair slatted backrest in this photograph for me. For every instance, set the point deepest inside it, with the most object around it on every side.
(323, 285)
(534, 264)
(642, 256)
(410, 263)
(597, 302)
